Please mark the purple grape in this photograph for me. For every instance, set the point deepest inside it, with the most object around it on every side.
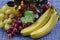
(18, 18)
(9, 31)
(13, 34)
(16, 26)
(23, 25)
(9, 35)
(15, 30)
(11, 28)
(13, 24)
(20, 28)
(15, 21)
(20, 22)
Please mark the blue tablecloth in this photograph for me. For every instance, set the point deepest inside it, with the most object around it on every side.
(53, 35)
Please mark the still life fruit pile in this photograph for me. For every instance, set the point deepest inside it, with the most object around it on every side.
(34, 18)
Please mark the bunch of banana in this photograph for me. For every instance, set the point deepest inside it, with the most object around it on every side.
(38, 24)
(43, 25)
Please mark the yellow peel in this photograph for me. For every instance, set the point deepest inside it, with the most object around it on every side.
(38, 24)
(46, 28)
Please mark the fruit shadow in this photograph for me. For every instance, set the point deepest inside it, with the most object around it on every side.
(25, 37)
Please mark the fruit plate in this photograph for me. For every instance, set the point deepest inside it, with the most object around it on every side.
(53, 35)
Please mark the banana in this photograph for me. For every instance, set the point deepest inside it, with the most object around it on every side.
(46, 28)
(38, 24)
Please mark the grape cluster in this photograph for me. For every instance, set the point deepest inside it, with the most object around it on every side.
(7, 16)
(15, 28)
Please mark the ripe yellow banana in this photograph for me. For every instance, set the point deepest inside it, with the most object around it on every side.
(46, 28)
(38, 24)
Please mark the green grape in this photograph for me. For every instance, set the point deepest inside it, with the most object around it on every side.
(15, 12)
(4, 8)
(5, 21)
(7, 26)
(11, 16)
(19, 7)
(1, 15)
(12, 10)
(8, 11)
(6, 16)
(1, 19)
(1, 11)
(9, 20)
(1, 24)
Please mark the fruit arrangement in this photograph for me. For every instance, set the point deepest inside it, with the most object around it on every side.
(7, 16)
(28, 17)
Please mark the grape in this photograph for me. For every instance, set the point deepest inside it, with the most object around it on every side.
(1, 11)
(1, 24)
(20, 27)
(15, 12)
(13, 34)
(23, 25)
(18, 18)
(5, 21)
(5, 7)
(1, 15)
(16, 25)
(11, 28)
(15, 22)
(9, 31)
(8, 11)
(7, 26)
(11, 16)
(19, 22)
(1, 19)
(6, 16)
(15, 30)
(19, 7)
(43, 7)
(9, 20)
(9, 35)
(47, 5)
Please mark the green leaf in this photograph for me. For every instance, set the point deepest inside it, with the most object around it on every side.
(29, 13)
(28, 17)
